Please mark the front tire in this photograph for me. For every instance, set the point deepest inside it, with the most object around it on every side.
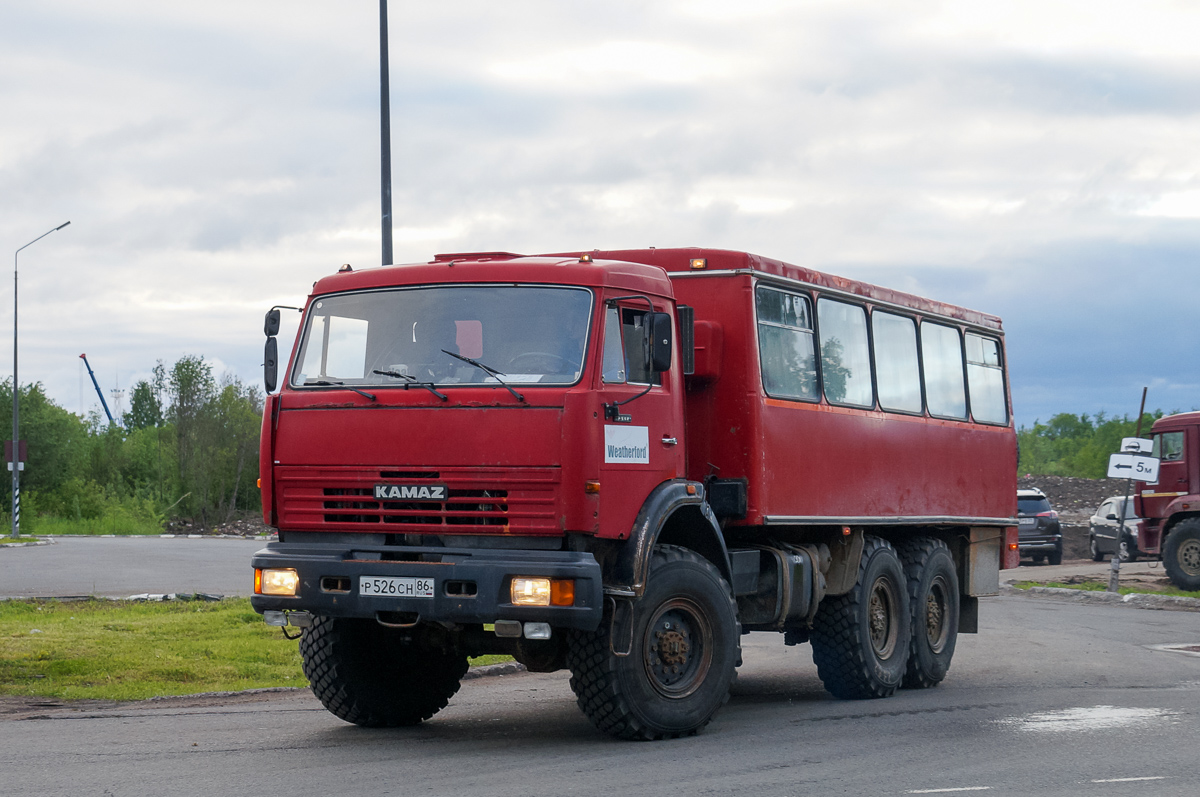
(933, 599)
(1094, 548)
(1181, 554)
(860, 640)
(374, 676)
(686, 648)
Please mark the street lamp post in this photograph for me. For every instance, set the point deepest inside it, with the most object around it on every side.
(16, 438)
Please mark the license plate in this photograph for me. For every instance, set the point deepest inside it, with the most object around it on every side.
(396, 586)
(1027, 521)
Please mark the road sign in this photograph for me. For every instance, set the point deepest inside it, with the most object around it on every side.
(1133, 466)
(1136, 445)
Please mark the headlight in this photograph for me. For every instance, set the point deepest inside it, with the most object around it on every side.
(541, 591)
(276, 582)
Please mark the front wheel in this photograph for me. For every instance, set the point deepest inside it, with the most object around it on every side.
(1094, 549)
(860, 640)
(374, 676)
(1181, 554)
(686, 645)
(933, 599)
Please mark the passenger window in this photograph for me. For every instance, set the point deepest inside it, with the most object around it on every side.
(624, 338)
(897, 368)
(1168, 446)
(845, 353)
(941, 353)
(985, 380)
(786, 352)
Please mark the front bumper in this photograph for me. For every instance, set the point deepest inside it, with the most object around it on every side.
(472, 585)
(1043, 543)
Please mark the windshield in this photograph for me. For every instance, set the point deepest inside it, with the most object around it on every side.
(526, 334)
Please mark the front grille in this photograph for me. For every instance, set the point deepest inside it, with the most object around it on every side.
(477, 501)
(461, 508)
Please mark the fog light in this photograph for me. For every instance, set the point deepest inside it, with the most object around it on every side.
(278, 582)
(537, 630)
(530, 591)
(275, 618)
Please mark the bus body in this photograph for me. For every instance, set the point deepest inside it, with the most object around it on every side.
(615, 462)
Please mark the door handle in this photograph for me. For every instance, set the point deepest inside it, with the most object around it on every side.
(669, 441)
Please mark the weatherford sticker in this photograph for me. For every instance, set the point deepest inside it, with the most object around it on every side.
(411, 492)
(627, 444)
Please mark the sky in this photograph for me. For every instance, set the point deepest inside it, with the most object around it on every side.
(1036, 160)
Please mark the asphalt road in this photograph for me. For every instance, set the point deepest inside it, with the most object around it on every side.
(117, 567)
(1052, 698)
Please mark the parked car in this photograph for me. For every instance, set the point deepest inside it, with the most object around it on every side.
(1105, 525)
(1039, 534)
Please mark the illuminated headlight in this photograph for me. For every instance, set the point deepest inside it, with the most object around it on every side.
(531, 591)
(276, 582)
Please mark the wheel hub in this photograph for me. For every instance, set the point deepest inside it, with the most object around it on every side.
(677, 653)
(879, 618)
(1189, 557)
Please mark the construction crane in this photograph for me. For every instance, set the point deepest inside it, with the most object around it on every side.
(99, 392)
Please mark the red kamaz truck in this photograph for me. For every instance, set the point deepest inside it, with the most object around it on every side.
(618, 462)
(1170, 507)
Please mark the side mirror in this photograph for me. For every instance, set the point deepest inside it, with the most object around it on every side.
(271, 362)
(1111, 516)
(271, 325)
(658, 338)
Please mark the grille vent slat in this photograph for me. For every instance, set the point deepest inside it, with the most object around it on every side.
(461, 507)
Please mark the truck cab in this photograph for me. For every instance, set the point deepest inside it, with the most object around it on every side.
(1170, 508)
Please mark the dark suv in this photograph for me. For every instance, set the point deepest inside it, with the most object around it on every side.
(1038, 532)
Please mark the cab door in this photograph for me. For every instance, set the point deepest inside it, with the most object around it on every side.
(1170, 448)
(642, 419)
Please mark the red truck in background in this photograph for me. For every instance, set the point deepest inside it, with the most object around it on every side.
(1170, 508)
(618, 462)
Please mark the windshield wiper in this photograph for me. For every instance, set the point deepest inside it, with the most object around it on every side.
(327, 383)
(487, 370)
(412, 382)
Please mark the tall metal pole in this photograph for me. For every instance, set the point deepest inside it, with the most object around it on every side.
(385, 134)
(16, 438)
(1114, 573)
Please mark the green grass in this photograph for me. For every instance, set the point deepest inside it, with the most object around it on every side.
(93, 527)
(1102, 586)
(121, 650)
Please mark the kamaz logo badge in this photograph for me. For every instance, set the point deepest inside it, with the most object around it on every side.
(411, 492)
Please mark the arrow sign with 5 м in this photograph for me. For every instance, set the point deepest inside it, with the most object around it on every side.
(1133, 466)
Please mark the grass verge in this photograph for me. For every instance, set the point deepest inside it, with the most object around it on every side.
(120, 650)
(1102, 586)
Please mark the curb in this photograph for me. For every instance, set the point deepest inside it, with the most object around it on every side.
(29, 544)
(1139, 600)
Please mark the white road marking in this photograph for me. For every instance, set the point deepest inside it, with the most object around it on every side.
(944, 791)
(1130, 780)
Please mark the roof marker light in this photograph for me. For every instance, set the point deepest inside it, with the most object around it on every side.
(345, 267)
(698, 263)
(585, 258)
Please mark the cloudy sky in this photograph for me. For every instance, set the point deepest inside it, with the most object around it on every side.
(1038, 160)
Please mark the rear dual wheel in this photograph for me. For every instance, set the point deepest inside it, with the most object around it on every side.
(933, 597)
(860, 640)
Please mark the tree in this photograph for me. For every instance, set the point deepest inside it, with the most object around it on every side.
(145, 408)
